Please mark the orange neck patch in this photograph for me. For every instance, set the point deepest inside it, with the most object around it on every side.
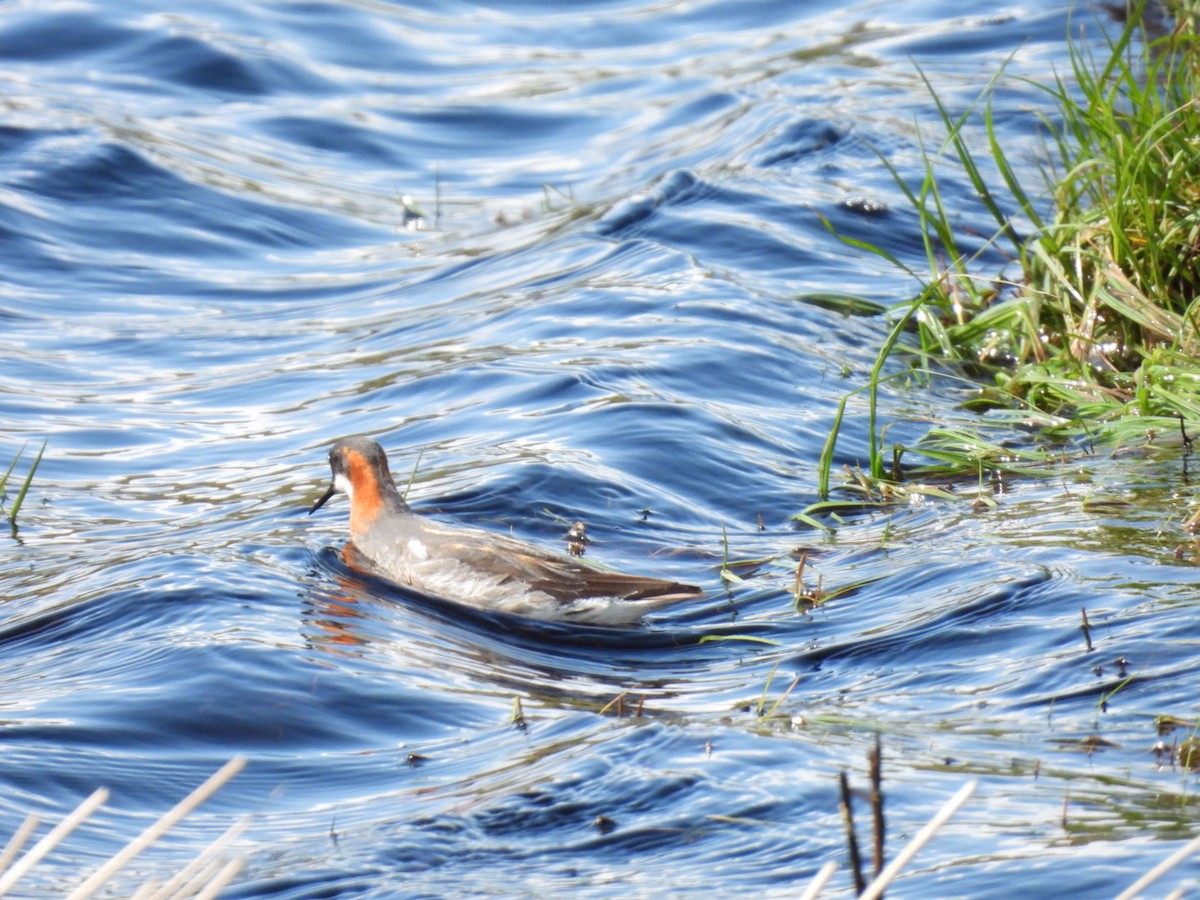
(367, 500)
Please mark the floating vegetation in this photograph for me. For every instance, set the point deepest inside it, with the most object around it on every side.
(1189, 753)
(761, 711)
(412, 217)
(846, 304)
(728, 577)
(749, 638)
(1167, 724)
(1185, 752)
(803, 596)
(517, 717)
(617, 705)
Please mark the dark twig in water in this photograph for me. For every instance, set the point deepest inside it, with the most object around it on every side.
(851, 838)
(1086, 629)
(876, 760)
(802, 597)
(874, 891)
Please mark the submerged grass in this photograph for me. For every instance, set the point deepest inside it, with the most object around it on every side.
(1096, 339)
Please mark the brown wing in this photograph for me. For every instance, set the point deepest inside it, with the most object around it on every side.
(563, 578)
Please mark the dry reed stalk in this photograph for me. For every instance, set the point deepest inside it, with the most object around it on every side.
(920, 839)
(199, 872)
(202, 877)
(819, 881)
(224, 877)
(1160, 870)
(51, 840)
(158, 828)
(17, 841)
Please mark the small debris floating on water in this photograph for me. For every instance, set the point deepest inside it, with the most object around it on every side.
(1189, 753)
(577, 539)
(518, 714)
(604, 824)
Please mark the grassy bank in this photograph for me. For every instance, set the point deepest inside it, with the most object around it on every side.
(1092, 332)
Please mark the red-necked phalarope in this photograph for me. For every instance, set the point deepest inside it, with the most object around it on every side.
(476, 567)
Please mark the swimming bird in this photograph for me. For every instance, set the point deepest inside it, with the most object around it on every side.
(477, 567)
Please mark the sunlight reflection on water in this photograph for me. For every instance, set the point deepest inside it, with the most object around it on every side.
(209, 279)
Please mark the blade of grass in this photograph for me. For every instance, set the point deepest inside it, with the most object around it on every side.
(16, 507)
(12, 465)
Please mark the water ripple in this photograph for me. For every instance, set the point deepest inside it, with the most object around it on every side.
(558, 260)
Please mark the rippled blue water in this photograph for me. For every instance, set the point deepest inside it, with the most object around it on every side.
(210, 276)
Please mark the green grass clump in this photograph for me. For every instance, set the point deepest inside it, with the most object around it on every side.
(1102, 322)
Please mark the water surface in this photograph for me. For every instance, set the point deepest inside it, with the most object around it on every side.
(210, 276)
